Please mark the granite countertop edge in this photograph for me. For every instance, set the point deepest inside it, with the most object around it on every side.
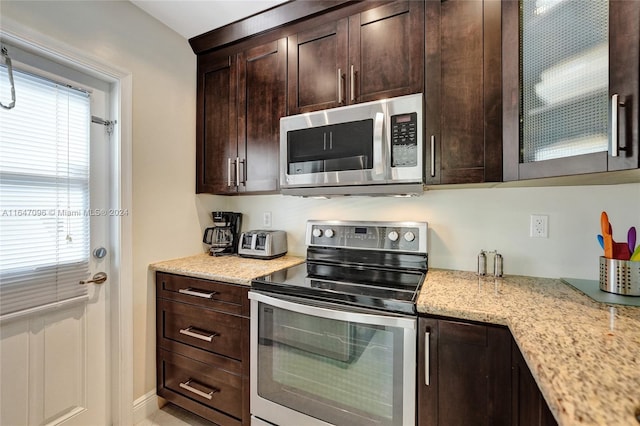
(230, 269)
(584, 355)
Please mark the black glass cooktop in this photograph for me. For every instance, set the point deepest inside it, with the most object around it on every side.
(365, 286)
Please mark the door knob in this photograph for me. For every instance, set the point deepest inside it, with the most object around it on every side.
(98, 278)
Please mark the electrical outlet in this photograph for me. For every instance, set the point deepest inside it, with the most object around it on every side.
(539, 227)
(266, 219)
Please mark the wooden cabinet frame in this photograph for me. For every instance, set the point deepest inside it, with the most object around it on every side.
(624, 69)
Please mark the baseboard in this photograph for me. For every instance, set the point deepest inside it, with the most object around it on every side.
(145, 406)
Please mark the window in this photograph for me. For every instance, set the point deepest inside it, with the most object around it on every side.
(44, 193)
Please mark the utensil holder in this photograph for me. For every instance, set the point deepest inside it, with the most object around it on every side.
(620, 276)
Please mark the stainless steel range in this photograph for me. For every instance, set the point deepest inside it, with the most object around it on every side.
(333, 340)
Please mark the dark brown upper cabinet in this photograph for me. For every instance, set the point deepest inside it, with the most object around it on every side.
(463, 138)
(261, 103)
(240, 99)
(317, 66)
(216, 123)
(570, 86)
(374, 54)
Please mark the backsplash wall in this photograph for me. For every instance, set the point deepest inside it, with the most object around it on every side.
(463, 221)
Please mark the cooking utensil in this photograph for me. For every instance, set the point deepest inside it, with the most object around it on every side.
(601, 241)
(636, 255)
(620, 251)
(606, 235)
(631, 238)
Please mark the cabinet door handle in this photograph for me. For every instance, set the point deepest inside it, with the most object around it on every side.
(239, 181)
(353, 84)
(238, 171)
(229, 171)
(208, 395)
(433, 155)
(340, 86)
(427, 380)
(198, 293)
(190, 331)
(614, 142)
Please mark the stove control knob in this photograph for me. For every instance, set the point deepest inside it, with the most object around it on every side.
(317, 232)
(393, 236)
(409, 236)
(329, 233)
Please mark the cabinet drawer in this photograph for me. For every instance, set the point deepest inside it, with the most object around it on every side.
(200, 382)
(210, 294)
(206, 329)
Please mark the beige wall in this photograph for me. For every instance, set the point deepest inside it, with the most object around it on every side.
(166, 222)
(463, 221)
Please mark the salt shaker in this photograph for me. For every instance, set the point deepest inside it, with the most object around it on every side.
(497, 265)
(482, 263)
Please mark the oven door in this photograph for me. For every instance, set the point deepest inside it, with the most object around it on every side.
(322, 364)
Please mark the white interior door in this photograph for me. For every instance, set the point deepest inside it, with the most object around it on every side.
(54, 364)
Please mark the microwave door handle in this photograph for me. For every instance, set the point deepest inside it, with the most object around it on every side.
(378, 148)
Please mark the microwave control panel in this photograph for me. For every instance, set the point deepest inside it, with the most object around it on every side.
(404, 140)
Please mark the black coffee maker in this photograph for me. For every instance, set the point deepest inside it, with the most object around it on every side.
(223, 235)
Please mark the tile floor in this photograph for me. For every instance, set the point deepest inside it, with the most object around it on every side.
(172, 415)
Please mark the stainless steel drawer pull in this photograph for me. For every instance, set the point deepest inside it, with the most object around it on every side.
(614, 148)
(427, 379)
(207, 395)
(228, 171)
(198, 293)
(190, 331)
(353, 84)
(433, 156)
(339, 85)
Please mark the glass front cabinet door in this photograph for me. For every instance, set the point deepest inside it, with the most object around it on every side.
(570, 87)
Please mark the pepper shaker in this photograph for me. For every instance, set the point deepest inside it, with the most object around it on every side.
(482, 263)
(497, 265)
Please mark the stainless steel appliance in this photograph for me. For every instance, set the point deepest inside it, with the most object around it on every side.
(262, 244)
(333, 340)
(372, 148)
(223, 235)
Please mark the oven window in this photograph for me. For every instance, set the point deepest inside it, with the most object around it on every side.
(340, 372)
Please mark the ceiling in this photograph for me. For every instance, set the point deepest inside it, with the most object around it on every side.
(190, 18)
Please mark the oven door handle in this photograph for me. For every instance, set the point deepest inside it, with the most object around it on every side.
(336, 313)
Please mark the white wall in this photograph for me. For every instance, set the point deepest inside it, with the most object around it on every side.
(166, 214)
(463, 221)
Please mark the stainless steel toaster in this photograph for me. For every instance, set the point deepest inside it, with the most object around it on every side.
(262, 244)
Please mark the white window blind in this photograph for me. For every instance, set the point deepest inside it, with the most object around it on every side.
(44, 194)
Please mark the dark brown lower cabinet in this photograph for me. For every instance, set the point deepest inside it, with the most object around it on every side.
(529, 407)
(464, 373)
(473, 374)
(202, 334)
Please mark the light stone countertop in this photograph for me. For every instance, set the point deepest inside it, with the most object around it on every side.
(231, 269)
(584, 355)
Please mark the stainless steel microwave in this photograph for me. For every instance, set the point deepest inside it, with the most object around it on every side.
(372, 148)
